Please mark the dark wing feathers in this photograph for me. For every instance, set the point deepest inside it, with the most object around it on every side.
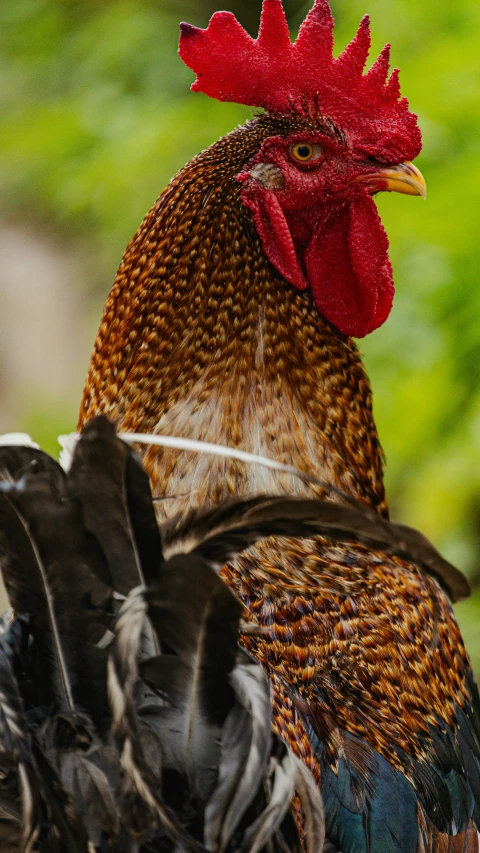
(222, 533)
(34, 807)
(17, 461)
(182, 749)
(213, 729)
(17, 798)
(196, 618)
(181, 756)
(56, 586)
(141, 792)
(114, 492)
(246, 744)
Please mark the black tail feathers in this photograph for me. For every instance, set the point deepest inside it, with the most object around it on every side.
(130, 719)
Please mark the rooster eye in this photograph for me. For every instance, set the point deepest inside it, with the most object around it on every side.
(306, 151)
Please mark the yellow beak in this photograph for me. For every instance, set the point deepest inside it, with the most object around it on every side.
(404, 178)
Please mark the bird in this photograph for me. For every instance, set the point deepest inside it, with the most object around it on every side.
(232, 320)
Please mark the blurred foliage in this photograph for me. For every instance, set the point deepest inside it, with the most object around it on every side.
(96, 117)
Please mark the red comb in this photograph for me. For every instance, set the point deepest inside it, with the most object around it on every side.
(282, 77)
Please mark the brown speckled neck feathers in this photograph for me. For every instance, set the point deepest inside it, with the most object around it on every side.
(202, 337)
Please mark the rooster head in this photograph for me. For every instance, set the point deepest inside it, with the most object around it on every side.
(343, 135)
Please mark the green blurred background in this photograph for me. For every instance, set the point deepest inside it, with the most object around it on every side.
(95, 118)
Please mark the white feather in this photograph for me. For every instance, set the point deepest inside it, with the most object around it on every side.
(18, 439)
(213, 449)
(68, 444)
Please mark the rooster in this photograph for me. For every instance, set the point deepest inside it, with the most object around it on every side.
(231, 321)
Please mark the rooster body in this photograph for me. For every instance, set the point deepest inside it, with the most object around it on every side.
(230, 321)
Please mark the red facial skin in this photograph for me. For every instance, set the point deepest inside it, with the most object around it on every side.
(322, 229)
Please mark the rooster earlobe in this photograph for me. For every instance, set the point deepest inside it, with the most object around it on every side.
(274, 34)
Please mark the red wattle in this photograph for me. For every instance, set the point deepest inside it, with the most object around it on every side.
(345, 261)
(275, 235)
(348, 268)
